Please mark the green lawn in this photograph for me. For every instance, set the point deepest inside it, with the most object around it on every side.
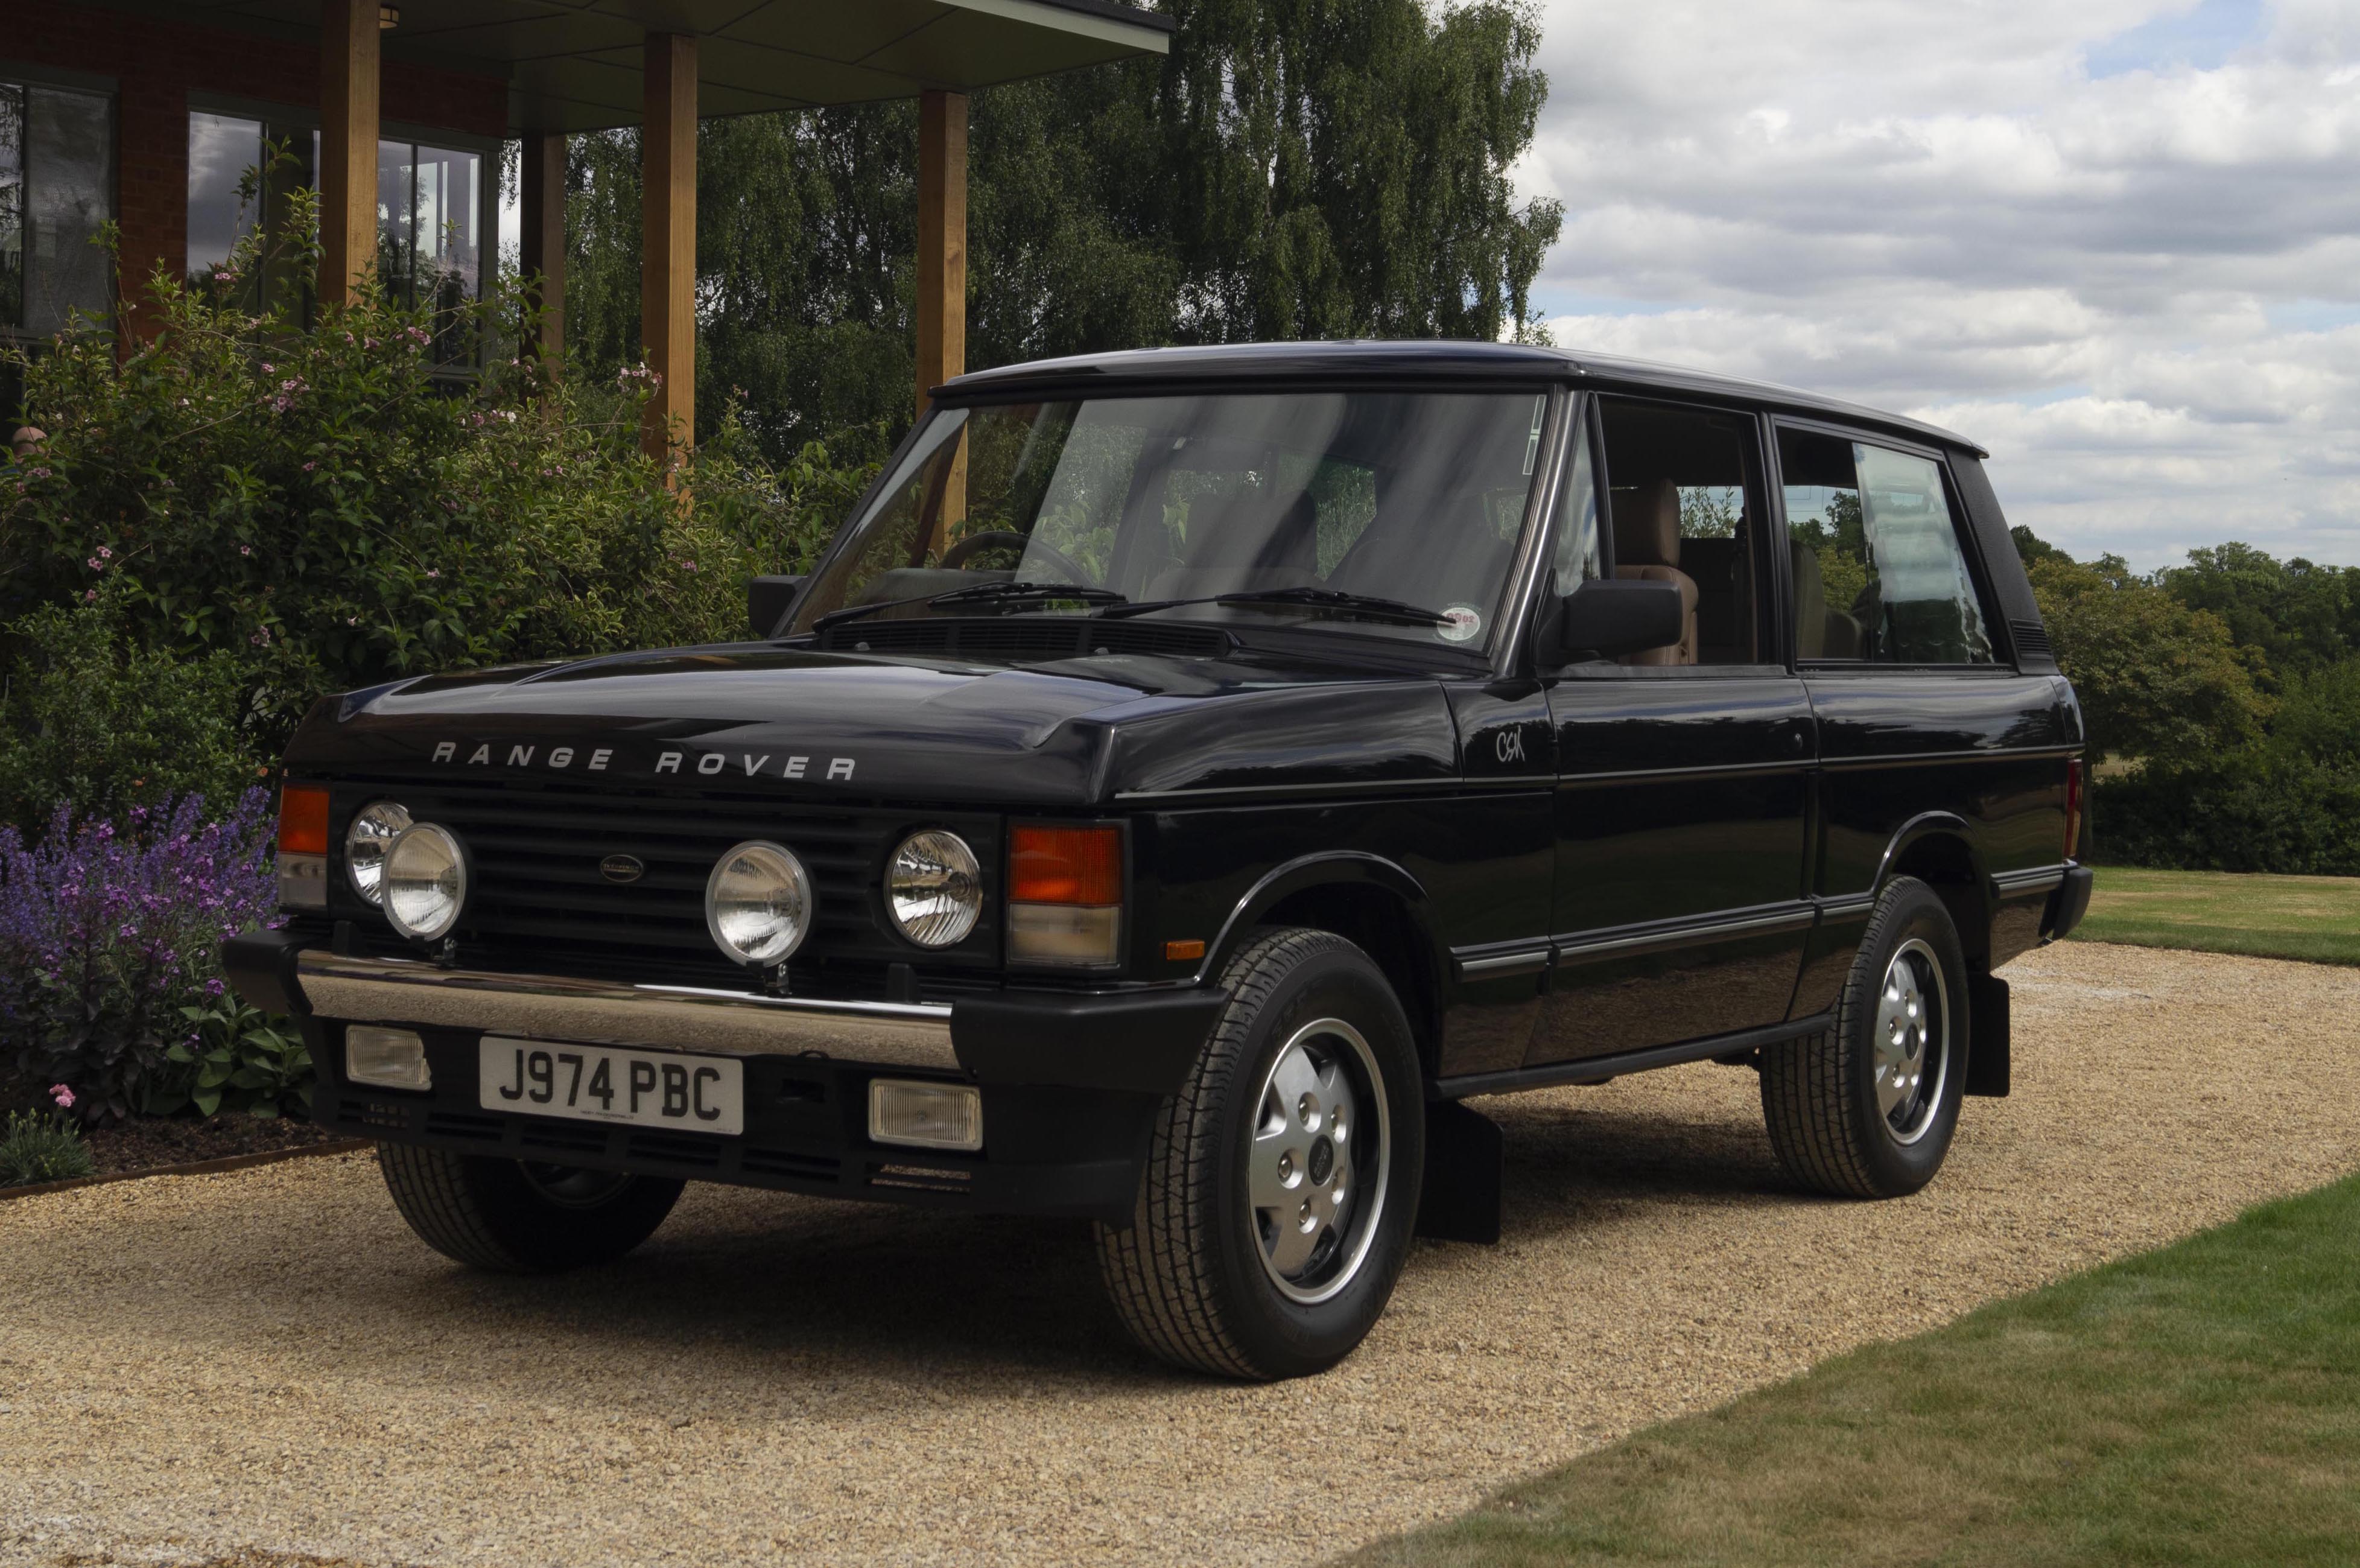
(2311, 918)
(2200, 1405)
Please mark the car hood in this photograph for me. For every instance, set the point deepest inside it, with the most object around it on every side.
(799, 722)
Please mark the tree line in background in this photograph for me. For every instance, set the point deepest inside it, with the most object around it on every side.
(2222, 699)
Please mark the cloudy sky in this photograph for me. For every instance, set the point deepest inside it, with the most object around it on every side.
(2117, 242)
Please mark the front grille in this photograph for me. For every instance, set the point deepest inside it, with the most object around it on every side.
(1053, 637)
(541, 901)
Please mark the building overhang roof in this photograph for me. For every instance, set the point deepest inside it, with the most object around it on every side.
(574, 65)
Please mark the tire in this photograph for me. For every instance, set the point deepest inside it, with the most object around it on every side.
(1208, 1277)
(1859, 1118)
(513, 1217)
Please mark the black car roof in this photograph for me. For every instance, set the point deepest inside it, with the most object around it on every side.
(1440, 359)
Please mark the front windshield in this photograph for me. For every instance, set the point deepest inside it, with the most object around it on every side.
(1159, 507)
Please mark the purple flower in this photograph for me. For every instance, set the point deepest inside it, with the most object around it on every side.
(105, 931)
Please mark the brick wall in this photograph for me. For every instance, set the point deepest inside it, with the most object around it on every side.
(157, 64)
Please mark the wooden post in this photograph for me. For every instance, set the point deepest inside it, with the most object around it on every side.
(348, 130)
(667, 245)
(542, 251)
(942, 273)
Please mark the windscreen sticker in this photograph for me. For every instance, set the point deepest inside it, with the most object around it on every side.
(1465, 625)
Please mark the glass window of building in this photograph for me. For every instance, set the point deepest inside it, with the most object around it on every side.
(429, 212)
(430, 206)
(57, 160)
(244, 170)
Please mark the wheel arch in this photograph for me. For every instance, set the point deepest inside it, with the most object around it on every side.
(1371, 901)
(1939, 849)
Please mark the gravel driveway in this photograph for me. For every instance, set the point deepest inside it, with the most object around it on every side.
(267, 1360)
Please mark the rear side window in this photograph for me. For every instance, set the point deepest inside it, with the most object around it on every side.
(1879, 575)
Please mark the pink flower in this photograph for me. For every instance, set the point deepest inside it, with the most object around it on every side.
(246, 548)
(62, 1095)
(308, 466)
(90, 597)
(267, 367)
(431, 572)
(104, 554)
(94, 562)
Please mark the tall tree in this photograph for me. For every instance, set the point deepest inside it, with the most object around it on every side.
(1293, 169)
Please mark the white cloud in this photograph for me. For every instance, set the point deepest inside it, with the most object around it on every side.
(2139, 288)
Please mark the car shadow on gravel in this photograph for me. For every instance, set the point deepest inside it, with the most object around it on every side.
(744, 1292)
(896, 1292)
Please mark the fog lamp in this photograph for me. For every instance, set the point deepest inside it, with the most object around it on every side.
(758, 903)
(926, 1115)
(387, 1058)
(425, 882)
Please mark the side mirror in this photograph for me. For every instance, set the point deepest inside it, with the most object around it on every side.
(769, 602)
(1610, 618)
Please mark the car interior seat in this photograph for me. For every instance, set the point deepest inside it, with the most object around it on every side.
(1647, 549)
(1244, 550)
(1819, 632)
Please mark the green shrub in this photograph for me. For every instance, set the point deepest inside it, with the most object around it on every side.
(2248, 811)
(96, 725)
(35, 1148)
(325, 507)
(2155, 678)
(2319, 715)
(240, 1059)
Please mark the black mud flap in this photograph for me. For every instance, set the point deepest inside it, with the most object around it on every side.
(1987, 1037)
(1460, 1198)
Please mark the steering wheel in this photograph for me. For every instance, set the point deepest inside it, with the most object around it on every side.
(998, 538)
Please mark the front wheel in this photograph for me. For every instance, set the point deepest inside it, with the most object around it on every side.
(1282, 1180)
(1867, 1109)
(522, 1216)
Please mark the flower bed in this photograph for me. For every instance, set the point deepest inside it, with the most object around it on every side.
(111, 992)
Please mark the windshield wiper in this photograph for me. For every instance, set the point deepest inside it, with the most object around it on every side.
(1331, 601)
(978, 593)
(988, 592)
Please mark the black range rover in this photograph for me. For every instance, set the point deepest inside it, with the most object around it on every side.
(1188, 777)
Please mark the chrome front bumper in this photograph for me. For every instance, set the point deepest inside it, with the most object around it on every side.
(596, 1012)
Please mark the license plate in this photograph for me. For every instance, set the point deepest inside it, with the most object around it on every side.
(602, 1084)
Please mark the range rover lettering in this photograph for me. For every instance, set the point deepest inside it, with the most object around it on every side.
(1187, 778)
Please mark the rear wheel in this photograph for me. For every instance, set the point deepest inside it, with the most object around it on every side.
(1868, 1109)
(522, 1216)
(1282, 1180)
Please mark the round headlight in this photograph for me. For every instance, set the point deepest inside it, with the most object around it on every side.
(373, 829)
(758, 903)
(424, 884)
(933, 888)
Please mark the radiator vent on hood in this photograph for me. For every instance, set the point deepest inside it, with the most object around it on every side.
(1061, 637)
